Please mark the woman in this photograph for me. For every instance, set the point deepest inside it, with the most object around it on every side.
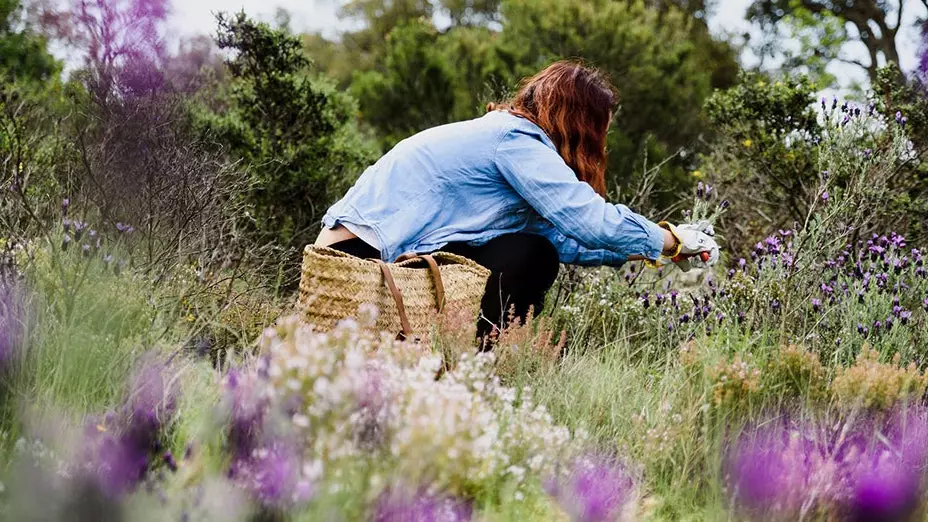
(519, 190)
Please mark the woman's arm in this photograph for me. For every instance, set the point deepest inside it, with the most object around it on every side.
(670, 246)
(539, 174)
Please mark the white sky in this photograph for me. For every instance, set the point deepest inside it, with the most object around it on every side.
(196, 16)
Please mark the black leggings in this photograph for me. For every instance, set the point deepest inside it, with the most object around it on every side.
(523, 267)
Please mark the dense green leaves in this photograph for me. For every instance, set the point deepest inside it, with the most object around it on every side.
(23, 53)
(420, 73)
(293, 129)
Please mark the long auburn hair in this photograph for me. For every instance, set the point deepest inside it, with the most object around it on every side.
(573, 104)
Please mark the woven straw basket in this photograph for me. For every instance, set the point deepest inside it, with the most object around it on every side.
(410, 294)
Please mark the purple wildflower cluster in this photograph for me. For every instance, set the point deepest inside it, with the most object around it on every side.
(871, 287)
(399, 505)
(869, 471)
(90, 240)
(264, 464)
(850, 112)
(126, 444)
(596, 488)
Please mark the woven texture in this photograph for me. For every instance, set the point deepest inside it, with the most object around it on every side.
(334, 284)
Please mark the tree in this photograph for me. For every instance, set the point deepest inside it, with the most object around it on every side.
(23, 51)
(364, 49)
(662, 68)
(415, 91)
(825, 25)
(294, 131)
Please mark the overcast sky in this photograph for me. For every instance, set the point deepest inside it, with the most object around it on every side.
(196, 16)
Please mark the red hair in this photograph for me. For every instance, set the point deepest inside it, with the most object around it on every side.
(573, 104)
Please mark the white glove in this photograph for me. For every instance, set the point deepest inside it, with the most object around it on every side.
(695, 238)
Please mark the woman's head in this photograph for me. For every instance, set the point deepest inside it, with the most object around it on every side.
(573, 104)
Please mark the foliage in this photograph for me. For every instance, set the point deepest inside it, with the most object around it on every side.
(766, 154)
(294, 131)
(23, 53)
(819, 25)
(420, 85)
(773, 147)
(663, 61)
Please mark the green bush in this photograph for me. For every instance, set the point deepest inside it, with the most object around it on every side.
(295, 132)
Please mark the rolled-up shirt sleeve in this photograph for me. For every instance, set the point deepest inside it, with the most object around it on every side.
(538, 173)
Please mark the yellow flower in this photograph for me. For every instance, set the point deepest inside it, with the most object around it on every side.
(747, 142)
(190, 318)
(697, 174)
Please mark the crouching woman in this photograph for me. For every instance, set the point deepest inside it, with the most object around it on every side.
(519, 190)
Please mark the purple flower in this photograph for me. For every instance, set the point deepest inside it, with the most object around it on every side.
(65, 203)
(898, 116)
(724, 204)
(816, 304)
(120, 454)
(595, 489)
(769, 470)
(247, 412)
(395, 505)
(825, 196)
(117, 463)
(273, 473)
(891, 493)
(905, 316)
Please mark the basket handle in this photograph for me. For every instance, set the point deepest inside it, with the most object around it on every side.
(436, 277)
(398, 297)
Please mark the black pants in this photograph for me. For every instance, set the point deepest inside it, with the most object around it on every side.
(523, 267)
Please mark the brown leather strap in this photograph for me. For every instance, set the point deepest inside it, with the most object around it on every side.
(436, 278)
(398, 297)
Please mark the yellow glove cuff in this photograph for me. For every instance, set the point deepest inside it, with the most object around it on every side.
(656, 263)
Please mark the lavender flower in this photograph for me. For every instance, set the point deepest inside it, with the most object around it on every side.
(825, 196)
(816, 304)
(65, 203)
(247, 411)
(595, 489)
(395, 506)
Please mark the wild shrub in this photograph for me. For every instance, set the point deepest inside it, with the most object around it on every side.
(293, 130)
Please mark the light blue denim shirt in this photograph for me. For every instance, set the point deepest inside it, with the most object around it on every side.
(475, 180)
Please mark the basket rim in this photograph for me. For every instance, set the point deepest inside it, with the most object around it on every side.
(449, 258)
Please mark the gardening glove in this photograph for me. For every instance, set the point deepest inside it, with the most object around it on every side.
(696, 245)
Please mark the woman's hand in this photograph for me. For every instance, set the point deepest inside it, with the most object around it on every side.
(691, 245)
